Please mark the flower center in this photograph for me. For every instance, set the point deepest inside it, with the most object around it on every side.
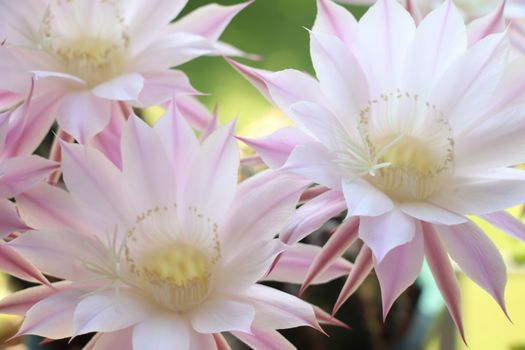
(87, 38)
(94, 60)
(404, 148)
(177, 276)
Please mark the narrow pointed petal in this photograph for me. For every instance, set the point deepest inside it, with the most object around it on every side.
(389, 26)
(444, 275)
(364, 199)
(489, 24)
(440, 38)
(477, 256)
(293, 265)
(507, 223)
(362, 266)
(275, 149)
(312, 215)
(143, 155)
(20, 302)
(325, 318)
(386, 232)
(211, 186)
(254, 76)
(222, 316)
(335, 20)
(97, 184)
(209, 21)
(264, 339)
(338, 243)
(9, 219)
(122, 88)
(279, 310)
(53, 316)
(262, 203)
(194, 112)
(15, 264)
(399, 269)
(339, 72)
(21, 173)
(179, 142)
(161, 333)
(160, 86)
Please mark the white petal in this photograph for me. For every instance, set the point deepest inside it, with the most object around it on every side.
(221, 315)
(364, 199)
(163, 332)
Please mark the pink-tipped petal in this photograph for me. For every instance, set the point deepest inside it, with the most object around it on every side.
(444, 275)
(179, 142)
(399, 269)
(489, 24)
(209, 21)
(477, 256)
(161, 86)
(338, 243)
(211, 186)
(264, 339)
(15, 264)
(386, 232)
(507, 223)
(20, 302)
(275, 149)
(162, 333)
(362, 266)
(293, 265)
(440, 38)
(279, 310)
(325, 318)
(9, 219)
(144, 163)
(254, 76)
(21, 173)
(335, 20)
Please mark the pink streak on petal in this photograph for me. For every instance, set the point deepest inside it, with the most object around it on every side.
(507, 223)
(478, 257)
(10, 221)
(335, 20)
(362, 266)
(338, 243)
(484, 26)
(312, 193)
(21, 173)
(161, 86)
(325, 318)
(20, 302)
(210, 20)
(212, 125)
(56, 155)
(15, 264)
(277, 147)
(294, 262)
(194, 112)
(220, 342)
(264, 339)
(399, 269)
(253, 75)
(444, 274)
(312, 215)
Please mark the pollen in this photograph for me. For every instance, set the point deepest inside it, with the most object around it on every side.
(178, 276)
